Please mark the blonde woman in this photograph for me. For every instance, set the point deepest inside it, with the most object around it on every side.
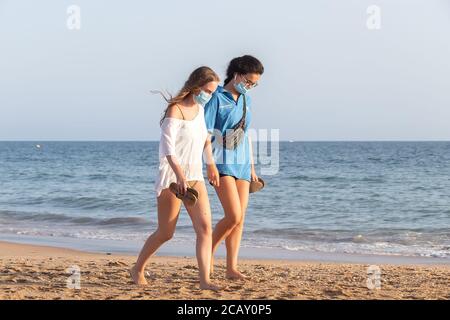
(183, 142)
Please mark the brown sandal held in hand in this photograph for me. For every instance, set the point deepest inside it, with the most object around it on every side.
(189, 198)
(256, 186)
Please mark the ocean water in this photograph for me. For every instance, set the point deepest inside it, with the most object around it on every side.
(369, 198)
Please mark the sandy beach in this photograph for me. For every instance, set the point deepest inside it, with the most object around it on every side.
(38, 272)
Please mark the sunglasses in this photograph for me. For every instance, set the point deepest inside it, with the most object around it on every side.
(249, 84)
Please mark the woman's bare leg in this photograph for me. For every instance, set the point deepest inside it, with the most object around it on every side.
(229, 198)
(168, 212)
(200, 215)
(233, 241)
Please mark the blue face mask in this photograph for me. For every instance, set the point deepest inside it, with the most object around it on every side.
(202, 98)
(241, 87)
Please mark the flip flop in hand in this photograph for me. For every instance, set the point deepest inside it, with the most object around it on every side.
(190, 197)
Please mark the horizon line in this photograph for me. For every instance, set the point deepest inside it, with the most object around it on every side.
(288, 140)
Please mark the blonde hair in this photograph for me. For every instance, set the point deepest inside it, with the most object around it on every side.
(197, 79)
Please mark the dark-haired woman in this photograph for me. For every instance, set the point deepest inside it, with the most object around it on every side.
(227, 116)
(183, 142)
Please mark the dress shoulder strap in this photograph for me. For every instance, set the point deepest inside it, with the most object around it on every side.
(182, 114)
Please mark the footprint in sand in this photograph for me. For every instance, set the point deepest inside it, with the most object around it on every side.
(333, 293)
(192, 267)
(233, 288)
(116, 264)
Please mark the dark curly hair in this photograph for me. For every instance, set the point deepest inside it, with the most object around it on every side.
(243, 65)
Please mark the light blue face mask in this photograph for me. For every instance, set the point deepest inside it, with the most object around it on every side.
(241, 87)
(202, 98)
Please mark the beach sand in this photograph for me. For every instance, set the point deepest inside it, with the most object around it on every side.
(37, 272)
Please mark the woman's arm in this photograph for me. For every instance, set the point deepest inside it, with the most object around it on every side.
(252, 162)
(211, 109)
(211, 169)
(169, 131)
(181, 179)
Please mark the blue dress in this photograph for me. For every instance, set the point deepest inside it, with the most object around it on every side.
(222, 112)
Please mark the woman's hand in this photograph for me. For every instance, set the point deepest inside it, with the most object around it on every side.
(254, 175)
(182, 184)
(213, 175)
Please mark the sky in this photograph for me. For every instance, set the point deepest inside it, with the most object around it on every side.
(328, 75)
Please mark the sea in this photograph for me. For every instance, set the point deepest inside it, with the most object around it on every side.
(340, 201)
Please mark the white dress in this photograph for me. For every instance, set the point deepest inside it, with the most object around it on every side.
(185, 139)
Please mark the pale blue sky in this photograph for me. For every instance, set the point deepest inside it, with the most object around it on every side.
(327, 76)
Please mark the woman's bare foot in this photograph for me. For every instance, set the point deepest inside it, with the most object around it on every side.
(138, 277)
(208, 286)
(235, 275)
